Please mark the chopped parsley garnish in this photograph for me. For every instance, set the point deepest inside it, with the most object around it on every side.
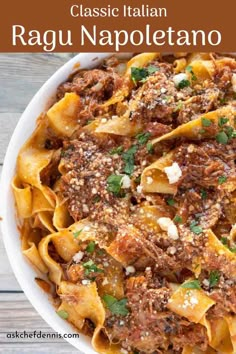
(202, 131)
(206, 122)
(184, 83)
(96, 199)
(90, 267)
(77, 233)
(178, 219)
(150, 148)
(114, 183)
(118, 150)
(203, 194)
(230, 131)
(152, 69)
(91, 247)
(143, 137)
(179, 106)
(171, 201)
(224, 240)
(232, 249)
(138, 74)
(193, 284)
(89, 121)
(222, 138)
(138, 179)
(189, 68)
(222, 179)
(214, 278)
(195, 228)
(117, 307)
(222, 121)
(63, 314)
(128, 157)
(141, 74)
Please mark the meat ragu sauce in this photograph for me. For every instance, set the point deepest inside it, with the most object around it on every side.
(101, 181)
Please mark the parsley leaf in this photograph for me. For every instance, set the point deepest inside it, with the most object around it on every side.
(214, 278)
(96, 199)
(193, 284)
(178, 219)
(203, 194)
(138, 74)
(63, 314)
(151, 69)
(222, 179)
(77, 233)
(206, 122)
(224, 240)
(117, 307)
(91, 247)
(179, 106)
(118, 150)
(141, 74)
(222, 121)
(229, 131)
(195, 228)
(150, 148)
(114, 183)
(143, 137)
(222, 138)
(90, 267)
(171, 201)
(189, 68)
(128, 157)
(184, 83)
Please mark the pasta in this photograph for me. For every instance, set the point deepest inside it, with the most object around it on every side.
(126, 195)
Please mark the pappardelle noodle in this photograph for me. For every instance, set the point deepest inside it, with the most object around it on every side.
(126, 192)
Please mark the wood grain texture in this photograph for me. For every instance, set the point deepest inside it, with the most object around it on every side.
(21, 76)
(17, 314)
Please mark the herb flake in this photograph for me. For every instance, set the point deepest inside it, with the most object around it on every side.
(77, 233)
(203, 194)
(178, 219)
(117, 307)
(63, 314)
(91, 247)
(184, 83)
(142, 138)
(128, 157)
(114, 183)
(90, 267)
(222, 138)
(193, 284)
(195, 228)
(171, 201)
(222, 121)
(214, 278)
(222, 179)
(206, 122)
(117, 150)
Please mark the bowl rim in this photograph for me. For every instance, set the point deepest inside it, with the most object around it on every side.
(22, 270)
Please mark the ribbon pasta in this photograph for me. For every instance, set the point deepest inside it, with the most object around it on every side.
(125, 194)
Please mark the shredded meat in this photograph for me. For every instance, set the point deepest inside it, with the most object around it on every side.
(154, 327)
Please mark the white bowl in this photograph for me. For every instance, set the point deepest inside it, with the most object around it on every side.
(26, 125)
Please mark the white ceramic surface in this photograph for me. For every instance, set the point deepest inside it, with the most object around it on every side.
(23, 271)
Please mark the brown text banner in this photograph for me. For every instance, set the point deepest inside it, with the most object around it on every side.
(121, 26)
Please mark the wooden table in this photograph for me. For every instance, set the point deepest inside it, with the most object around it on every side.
(21, 75)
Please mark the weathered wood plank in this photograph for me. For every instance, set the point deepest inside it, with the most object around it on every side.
(8, 280)
(23, 74)
(8, 123)
(17, 314)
